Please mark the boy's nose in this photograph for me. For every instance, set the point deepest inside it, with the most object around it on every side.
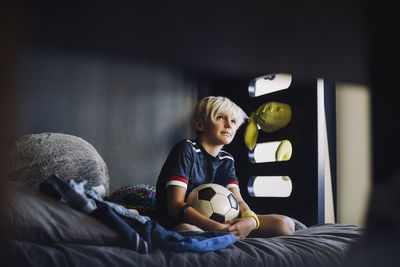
(228, 124)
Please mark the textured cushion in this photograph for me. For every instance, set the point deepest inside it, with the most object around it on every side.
(34, 157)
(140, 197)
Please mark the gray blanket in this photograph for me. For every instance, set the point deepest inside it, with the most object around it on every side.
(45, 232)
(322, 245)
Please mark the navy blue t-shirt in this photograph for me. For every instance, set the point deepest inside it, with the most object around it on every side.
(189, 165)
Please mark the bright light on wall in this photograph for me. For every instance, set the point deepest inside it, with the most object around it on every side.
(271, 152)
(269, 83)
(264, 152)
(270, 186)
(354, 173)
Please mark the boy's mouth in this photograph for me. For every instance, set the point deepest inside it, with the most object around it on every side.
(226, 133)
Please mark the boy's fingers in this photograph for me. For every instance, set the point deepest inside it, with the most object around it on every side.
(232, 228)
(233, 231)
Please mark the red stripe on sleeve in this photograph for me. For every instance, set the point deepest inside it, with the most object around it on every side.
(178, 178)
(233, 182)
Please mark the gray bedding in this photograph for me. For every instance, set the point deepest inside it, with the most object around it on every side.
(321, 245)
(45, 232)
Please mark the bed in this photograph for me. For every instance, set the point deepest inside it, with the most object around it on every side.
(46, 232)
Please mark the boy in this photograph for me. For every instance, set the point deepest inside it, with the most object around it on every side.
(202, 160)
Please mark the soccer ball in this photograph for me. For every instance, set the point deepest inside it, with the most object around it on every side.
(214, 201)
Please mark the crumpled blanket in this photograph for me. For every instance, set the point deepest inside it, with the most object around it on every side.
(141, 233)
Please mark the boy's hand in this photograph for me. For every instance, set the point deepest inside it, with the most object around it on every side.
(241, 227)
(223, 227)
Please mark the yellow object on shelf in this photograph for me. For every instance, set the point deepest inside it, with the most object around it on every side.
(284, 151)
(269, 117)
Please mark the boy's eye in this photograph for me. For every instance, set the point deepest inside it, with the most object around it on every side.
(233, 121)
(219, 117)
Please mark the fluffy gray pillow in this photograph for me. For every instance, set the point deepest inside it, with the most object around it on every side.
(34, 157)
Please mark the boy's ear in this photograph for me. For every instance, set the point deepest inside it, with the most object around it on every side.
(198, 125)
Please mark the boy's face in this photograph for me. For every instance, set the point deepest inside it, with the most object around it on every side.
(220, 132)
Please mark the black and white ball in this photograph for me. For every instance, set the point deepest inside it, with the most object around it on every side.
(214, 201)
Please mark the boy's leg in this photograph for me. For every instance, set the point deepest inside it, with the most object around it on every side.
(273, 225)
(187, 227)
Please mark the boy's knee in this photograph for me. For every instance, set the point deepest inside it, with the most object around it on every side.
(285, 225)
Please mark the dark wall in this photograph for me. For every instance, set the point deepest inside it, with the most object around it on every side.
(247, 39)
(113, 72)
(130, 112)
(384, 81)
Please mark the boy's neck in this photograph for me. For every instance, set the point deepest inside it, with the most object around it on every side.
(211, 149)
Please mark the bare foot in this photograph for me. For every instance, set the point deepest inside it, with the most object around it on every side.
(134, 211)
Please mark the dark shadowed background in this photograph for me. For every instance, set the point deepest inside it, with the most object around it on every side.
(125, 75)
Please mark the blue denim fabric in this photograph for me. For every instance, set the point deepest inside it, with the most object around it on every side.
(140, 233)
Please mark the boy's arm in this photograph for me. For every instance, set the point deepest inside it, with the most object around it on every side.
(242, 204)
(176, 201)
(242, 227)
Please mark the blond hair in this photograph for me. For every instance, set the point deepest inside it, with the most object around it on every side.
(208, 108)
